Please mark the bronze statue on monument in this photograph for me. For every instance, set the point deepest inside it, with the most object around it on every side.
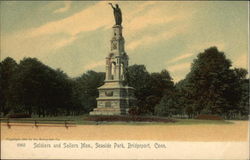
(117, 14)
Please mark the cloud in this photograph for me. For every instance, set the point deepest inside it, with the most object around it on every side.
(95, 64)
(177, 78)
(152, 18)
(179, 67)
(88, 19)
(144, 29)
(181, 57)
(195, 48)
(152, 39)
(145, 24)
(41, 41)
(200, 47)
(17, 46)
(67, 5)
(241, 61)
(63, 42)
(178, 71)
(98, 15)
(45, 39)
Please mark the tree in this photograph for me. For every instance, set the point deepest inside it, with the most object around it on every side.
(161, 84)
(149, 88)
(7, 70)
(182, 96)
(60, 96)
(39, 89)
(138, 77)
(25, 85)
(35, 88)
(167, 106)
(77, 97)
(211, 85)
(88, 85)
(243, 84)
(244, 100)
(189, 111)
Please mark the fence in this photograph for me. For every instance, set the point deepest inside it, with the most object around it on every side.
(37, 122)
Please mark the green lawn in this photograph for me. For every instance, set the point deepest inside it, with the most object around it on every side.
(196, 121)
(80, 120)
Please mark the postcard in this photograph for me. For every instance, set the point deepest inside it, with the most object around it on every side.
(124, 79)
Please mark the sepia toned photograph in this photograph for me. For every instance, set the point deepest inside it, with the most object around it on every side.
(124, 79)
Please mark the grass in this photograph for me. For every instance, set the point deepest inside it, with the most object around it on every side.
(198, 122)
(81, 120)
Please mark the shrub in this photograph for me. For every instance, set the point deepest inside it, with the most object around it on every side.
(133, 111)
(208, 117)
(128, 118)
(19, 115)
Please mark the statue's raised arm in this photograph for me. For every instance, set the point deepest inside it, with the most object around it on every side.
(117, 14)
(111, 5)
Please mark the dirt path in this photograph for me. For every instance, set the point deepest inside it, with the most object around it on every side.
(238, 131)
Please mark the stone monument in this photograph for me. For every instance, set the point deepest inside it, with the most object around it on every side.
(115, 98)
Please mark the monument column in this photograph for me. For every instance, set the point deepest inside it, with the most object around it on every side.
(115, 98)
(107, 75)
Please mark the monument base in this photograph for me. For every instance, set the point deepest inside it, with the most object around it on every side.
(114, 99)
(109, 111)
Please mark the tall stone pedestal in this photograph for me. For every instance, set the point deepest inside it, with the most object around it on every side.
(114, 97)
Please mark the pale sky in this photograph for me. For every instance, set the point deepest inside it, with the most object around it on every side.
(75, 36)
